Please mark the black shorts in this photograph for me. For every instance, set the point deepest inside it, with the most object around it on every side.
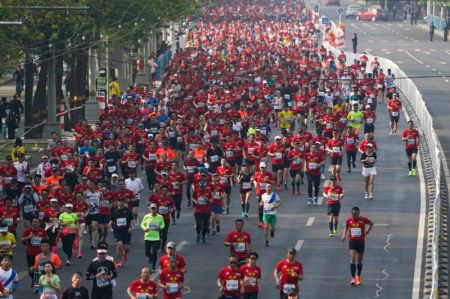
(239, 160)
(227, 189)
(369, 128)
(276, 167)
(92, 217)
(181, 147)
(358, 246)
(249, 162)
(122, 236)
(30, 260)
(395, 118)
(286, 163)
(244, 191)
(231, 162)
(104, 219)
(410, 151)
(333, 210)
(329, 135)
(336, 160)
(294, 172)
(134, 203)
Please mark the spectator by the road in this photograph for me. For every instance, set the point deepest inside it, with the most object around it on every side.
(446, 29)
(355, 42)
(11, 124)
(3, 111)
(19, 75)
(153, 66)
(114, 87)
(16, 107)
(76, 290)
(17, 149)
(432, 28)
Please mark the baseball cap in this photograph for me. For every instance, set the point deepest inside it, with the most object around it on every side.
(153, 206)
(28, 186)
(262, 164)
(369, 145)
(115, 175)
(69, 205)
(53, 199)
(292, 250)
(277, 137)
(333, 178)
(102, 250)
(367, 106)
(44, 157)
(164, 173)
(3, 228)
(292, 292)
(170, 245)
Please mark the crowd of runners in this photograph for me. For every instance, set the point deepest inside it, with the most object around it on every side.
(253, 104)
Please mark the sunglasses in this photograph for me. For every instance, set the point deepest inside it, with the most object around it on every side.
(252, 257)
(232, 263)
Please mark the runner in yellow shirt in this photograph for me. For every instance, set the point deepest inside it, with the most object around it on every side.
(286, 118)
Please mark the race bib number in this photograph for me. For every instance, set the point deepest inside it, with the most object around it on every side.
(8, 221)
(296, 161)
(232, 285)
(223, 180)
(171, 134)
(153, 225)
(278, 156)
(93, 200)
(214, 158)
(312, 165)
(246, 185)
(111, 169)
(239, 247)
(131, 164)
(179, 139)
(214, 133)
(172, 287)
(380, 86)
(250, 150)
(350, 141)
(142, 296)
(370, 159)
(251, 281)
(356, 120)
(36, 241)
(336, 149)
(329, 126)
(229, 154)
(262, 186)
(355, 231)
(334, 197)
(369, 120)
(101, 282)
(163, 210)
(343, 120)
(394, 113)
(28, 209)
(190, 169)
(152, 157)
(411, 141)
(202, 201)
(121, 222)
(287, 287)
(64, 157)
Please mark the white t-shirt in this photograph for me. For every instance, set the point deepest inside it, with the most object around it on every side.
(268, 206)
(5, 277)
(135, 186)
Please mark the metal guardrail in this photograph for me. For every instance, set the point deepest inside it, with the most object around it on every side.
(436, 243)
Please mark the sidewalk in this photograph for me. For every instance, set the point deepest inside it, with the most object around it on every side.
(437, 32)
(5, 79)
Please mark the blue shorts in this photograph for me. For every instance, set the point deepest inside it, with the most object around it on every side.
(216, 209)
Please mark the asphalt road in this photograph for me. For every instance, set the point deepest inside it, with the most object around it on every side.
(390, 250)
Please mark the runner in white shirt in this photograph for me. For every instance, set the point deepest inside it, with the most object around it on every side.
(270, 201)
(135, 185)
(8, 277)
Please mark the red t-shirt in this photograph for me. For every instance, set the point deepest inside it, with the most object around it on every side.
(224, 172)
(165, 204)
(336, 145)
(140, 287)
(164, 262)
(34, 244)
(279, 152)
(80, 208)
(174, 279)
(412, 137)
(230, 280)
(11, 216)
(287, 268)
(250, 275)
(351, 140)
(243, 241)
(204, 198)
(262, 179)
(312, 163)
(357, 228)
(295, 156)
(177, 179)
(333, 191)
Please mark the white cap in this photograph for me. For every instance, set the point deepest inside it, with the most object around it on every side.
(367, 106)
(277, 137)
(69, 205)
(262, 164)
(153, 205)
(53, 199)
(115, 175)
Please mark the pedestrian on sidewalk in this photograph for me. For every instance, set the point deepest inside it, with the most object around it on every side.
(11, 124)
(354, 42)
(3, 114)
(432, 27)
(19, 75)
(446, 29)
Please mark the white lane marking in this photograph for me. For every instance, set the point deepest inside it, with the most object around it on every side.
(420, 233)
(433, 50)
(448, 52)
(446, 80)
(442, 62)
(428, 65)
(417, 50)
(299, 245)
(310, 221)
(440, 73)
(381, 224)
(400, 62)
(433, 69)
(413, 57)
(320, 200)
(388, 243)
(379, 287)
(427, 53)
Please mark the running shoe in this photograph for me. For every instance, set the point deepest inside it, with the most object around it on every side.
(410, 173)
(125, 256)
(353, 281)
(366, 196)
(272, 233)
(370, 196)
(80, 255)
(335, 232)
(349, 170)
(92, 246)
(331, 234)
(358, 280)
(120, 264)
(261, 225)
(67, 263)
(242, 214)
(246, 215)
(315, 201)
(218, 228)
(178, 214)
(354, 165)
(198, 239)
(213, 233)
(267, 243)
(414, 173)
(203, 240)
(310, 201)
(228, 210)
(174, 222)
(278, 188)
(322, 176)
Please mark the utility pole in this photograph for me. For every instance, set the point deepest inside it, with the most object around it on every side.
(51, 125)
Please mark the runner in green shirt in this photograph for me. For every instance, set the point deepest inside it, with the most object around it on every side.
(68, 221)
(152, 224)
(354, 118)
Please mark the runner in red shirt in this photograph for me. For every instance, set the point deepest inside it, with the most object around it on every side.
(239, 241)
(171, 280)
(165, 207)
(32, 237)
(351, 145)
(218, 193)
(9, 216)
(394, 106)
(251, 277)
(260, 179)
(178, 179)
(287, 273)
(411, 138)
(314, 161)
(277, 151)
(229, 279)
(333, 193)
(226, 174)
(171, 252)
(203, 199)
(295, 157)
(143, 287)
(335, 147)
(356, 226)
(80, 207)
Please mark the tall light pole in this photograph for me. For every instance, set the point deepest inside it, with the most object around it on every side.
(51, 125)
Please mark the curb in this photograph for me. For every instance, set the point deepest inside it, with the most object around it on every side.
(437, 32)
